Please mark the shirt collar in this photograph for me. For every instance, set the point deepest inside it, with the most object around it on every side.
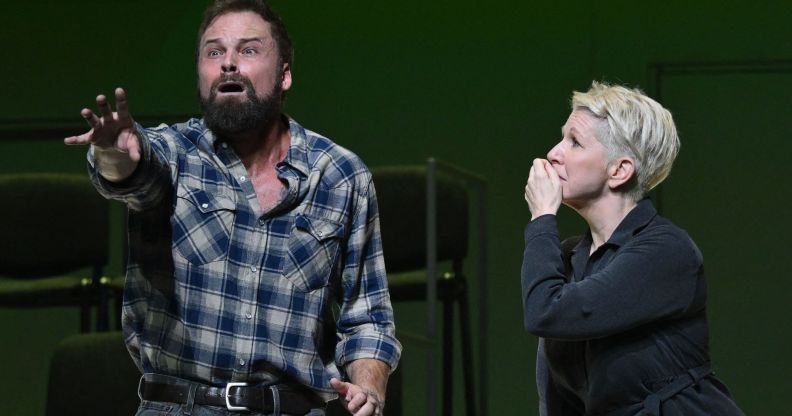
(635, 220)
(297, 157)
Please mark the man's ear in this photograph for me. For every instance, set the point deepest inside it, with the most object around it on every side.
(620, 171)
(286, 77)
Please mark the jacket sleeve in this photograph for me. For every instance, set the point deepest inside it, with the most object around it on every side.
(656, 275)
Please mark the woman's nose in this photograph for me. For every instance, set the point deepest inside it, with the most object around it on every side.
(555, 154)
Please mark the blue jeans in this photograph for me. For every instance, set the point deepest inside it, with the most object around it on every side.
(149, 408)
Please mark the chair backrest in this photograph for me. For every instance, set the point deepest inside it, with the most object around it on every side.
(401, 195)
(52, 224)
(92, 374)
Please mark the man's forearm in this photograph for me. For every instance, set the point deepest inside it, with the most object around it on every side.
(369, 374)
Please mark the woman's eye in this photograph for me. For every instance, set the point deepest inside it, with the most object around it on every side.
(575, 143)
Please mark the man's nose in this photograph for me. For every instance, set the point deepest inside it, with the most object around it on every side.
(229, 63)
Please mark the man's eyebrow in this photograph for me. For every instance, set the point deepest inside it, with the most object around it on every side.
(253, 39)
(241, 40)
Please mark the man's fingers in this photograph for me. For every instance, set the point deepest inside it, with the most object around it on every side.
(133, 147)
(339, 386)
(358, 400)
(368, 408)
(84, 138)
(90, 117)
(104, 107)
(121, 104)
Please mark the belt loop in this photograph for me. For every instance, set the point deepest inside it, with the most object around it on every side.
(275, 400)
(188, 407)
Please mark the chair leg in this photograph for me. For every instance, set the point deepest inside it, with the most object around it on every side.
(85, 317)
(118, 303)
(448, 354)
(467, 351)
(103, 312)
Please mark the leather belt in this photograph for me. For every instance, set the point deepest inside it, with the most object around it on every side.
(653, 402)
(284, 398)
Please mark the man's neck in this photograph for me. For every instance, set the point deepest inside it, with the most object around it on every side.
(262, 148)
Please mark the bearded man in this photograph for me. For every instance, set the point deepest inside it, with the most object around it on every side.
(256, 278)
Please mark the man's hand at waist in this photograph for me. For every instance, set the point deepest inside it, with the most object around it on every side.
(365, 393)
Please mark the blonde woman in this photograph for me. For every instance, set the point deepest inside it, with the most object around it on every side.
(620, 312)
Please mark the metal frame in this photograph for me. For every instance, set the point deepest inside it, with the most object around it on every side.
(479, 186)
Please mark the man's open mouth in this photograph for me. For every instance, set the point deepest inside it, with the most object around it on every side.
(230, 87)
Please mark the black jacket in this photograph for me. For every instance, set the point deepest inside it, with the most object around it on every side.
(624, 331)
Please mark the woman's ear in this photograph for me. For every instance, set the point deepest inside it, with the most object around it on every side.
(620, 171)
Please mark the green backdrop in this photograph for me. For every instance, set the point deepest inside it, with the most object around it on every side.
(481, 84)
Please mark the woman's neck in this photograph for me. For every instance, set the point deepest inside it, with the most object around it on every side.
(604, 215)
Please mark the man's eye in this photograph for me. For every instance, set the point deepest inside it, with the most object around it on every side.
(213, 53)
(575, 143)
(249, 51)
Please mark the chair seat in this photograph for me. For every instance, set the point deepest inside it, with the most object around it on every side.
(92, 374)
(55, 225)
(50, 291)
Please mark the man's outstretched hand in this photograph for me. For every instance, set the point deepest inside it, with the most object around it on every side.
(117, 147)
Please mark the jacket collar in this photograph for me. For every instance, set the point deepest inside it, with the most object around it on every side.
(634, 222)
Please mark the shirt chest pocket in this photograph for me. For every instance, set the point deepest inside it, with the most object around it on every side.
(202, 225)
(312, 252)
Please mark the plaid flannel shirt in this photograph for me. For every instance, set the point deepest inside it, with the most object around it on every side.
(216, 292)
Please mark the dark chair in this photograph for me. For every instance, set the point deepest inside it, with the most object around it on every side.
(424, 221)
(53, 225)
(92, 374)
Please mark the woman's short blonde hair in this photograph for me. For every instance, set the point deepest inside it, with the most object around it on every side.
(635, 126)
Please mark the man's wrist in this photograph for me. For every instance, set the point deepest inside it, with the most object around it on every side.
(113, 164)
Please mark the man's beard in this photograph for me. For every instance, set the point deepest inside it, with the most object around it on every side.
(230, 117)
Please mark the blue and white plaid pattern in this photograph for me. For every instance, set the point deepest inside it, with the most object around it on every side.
(216, 292)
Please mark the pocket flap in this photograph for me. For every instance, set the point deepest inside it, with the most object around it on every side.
(207, 202)
(321, 229)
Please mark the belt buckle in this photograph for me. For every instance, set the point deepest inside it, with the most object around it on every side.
(228, 402)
